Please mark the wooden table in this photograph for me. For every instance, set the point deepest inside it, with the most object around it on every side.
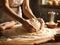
(25, 40)
(56, 41)
(15, 42)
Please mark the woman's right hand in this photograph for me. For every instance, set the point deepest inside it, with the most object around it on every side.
(27, 25)
(33, 25)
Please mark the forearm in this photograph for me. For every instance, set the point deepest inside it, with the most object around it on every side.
(11, 10)
(27, 10)
(28, 13)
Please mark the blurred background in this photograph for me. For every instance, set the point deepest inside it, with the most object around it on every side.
(42, 11)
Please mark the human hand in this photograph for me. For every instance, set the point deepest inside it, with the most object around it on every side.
(42, 23)
(34, 25)
(29, 27)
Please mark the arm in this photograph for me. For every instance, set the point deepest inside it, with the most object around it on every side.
(26, 24)
(8, 7)
(26, 9)
(12, 13)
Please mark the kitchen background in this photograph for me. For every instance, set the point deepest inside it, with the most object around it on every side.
(42, 11)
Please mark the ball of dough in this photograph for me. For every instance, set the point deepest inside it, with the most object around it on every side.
(35, 23)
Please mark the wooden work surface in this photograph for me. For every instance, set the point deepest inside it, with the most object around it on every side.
(26, 40)
(56, 41)
(51, 43)
(37, 41)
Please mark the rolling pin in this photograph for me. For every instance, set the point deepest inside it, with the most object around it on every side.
(7, 25)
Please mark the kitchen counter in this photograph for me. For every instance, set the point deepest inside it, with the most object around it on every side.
(54, 42)
(35, 40)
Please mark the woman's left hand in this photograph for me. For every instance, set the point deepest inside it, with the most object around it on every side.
(42, 23)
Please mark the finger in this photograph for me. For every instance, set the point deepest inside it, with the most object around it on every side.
(40, 20)
(42, 26)
(42, 23)
(29, 29)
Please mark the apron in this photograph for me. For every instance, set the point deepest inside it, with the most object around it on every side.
(4, 16)
(16, 6)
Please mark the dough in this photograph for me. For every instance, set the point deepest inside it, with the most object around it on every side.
(35, 23)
